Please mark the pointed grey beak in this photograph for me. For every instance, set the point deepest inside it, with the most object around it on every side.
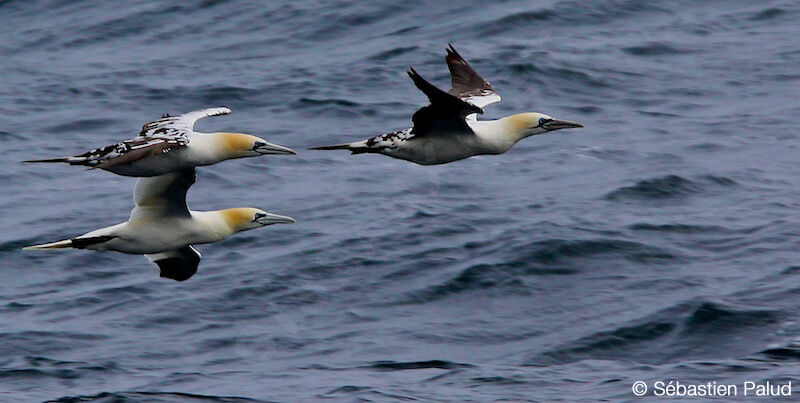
(270, 219)
(265, 148)
(556, 124)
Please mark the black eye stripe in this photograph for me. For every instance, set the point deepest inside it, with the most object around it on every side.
(260, 215)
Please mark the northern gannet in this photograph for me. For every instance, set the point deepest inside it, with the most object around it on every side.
(448, 130)
(163, 228)
(171, 144)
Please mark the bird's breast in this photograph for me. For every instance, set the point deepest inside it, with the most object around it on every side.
(439, 148)
(153, 235)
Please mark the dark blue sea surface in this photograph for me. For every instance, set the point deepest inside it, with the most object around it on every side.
(660, 242)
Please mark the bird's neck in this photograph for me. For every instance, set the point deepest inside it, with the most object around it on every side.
(498, 135)
(220, 146)
(214, 225)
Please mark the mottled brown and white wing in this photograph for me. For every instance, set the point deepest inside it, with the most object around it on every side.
(156, 137)
(180, 125)
(466, 83)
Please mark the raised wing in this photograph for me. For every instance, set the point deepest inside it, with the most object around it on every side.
(466, 83)
(181, 125)
(445, 111)
(163, 195)
(178, 264)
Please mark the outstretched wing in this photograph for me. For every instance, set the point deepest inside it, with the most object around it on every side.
(445, 112)
(163, 195)
(127, 151)
(466, 83)
(181, 125)
(178, 264)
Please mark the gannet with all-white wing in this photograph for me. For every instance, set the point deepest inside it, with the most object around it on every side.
(447, 130)
(170, 144)
(163, 228)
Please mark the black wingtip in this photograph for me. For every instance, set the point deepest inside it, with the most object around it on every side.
(189, 174)
(451, 51)
(177, 269)
(413, 74)
(332, 147)
(48, 160)
(83, 243)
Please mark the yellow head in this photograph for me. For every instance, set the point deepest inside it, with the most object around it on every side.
(240, 145)
(529, 124)
(245, 218)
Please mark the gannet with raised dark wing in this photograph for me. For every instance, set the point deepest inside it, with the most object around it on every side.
(170, 144)
(163, 228)
(447, 130)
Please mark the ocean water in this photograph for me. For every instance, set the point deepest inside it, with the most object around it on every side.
(660, 242)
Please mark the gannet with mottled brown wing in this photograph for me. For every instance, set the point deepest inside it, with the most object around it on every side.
(447, 130)
(170, 144)
(163, 228)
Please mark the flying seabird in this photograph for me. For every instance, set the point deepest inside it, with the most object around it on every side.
(163, 228)
(448, 130)
(171, 144)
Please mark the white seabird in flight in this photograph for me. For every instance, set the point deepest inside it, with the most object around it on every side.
(163, 228)
(170, 144)
(447, 130)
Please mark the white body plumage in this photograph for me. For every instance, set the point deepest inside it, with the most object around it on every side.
(144, 236)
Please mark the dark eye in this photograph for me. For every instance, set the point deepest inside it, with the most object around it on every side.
(542, 121)
(260, 215)
(258, 144)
